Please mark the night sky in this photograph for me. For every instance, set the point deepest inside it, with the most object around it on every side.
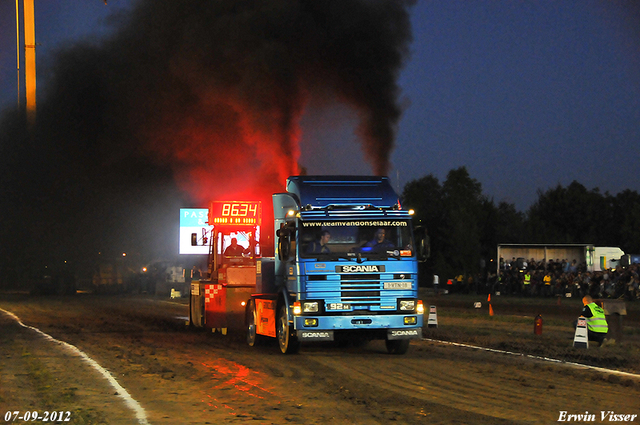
(527, 95)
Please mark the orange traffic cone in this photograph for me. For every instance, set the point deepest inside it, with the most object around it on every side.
(489, 298)
(490, 310)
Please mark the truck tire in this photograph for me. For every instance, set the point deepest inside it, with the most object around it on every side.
(288, 342)
(191, 323)
(253, 338)
(196, 309)
(397, 346)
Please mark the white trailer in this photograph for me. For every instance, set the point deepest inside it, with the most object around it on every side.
(606, 257)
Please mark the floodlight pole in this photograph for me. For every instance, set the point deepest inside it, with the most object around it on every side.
(30, 60)
(18, 47)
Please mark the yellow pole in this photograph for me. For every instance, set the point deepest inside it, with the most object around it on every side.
(30, 60)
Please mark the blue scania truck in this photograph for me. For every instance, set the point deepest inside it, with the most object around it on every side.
(346, 261)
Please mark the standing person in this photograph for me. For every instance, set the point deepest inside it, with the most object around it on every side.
(526, 284)
(632, 292)
(547, 284)
(459, 283)
(597, 326)
(320, 246)
(196, 274)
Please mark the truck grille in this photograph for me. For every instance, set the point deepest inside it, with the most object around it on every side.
(360, 290)
(359, 277)
(358, 295)
(362, 293)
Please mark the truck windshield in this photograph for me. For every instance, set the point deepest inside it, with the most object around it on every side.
(363, 238)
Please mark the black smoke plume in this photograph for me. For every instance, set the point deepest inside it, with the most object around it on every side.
(189, 101)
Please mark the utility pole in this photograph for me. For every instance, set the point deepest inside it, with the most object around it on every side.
(30, 60)
(18, 47)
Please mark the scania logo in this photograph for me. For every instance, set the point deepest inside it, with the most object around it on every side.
(322, 335)
(359, 269)
(407, 332)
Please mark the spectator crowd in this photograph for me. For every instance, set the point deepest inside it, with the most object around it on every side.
(554, 278)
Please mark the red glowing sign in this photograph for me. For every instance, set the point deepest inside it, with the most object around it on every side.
(235, 213)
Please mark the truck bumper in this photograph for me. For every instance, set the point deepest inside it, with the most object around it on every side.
(392, 326)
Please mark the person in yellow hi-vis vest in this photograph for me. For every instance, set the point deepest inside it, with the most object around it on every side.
(526, 285)
(459, 282)
(547, 284)
(597, 326)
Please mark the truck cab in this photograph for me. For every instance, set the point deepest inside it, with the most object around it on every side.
(345, 262)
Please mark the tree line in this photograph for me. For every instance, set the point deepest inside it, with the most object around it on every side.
(465, 226)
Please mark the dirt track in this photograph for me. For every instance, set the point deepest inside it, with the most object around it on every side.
(179, 376)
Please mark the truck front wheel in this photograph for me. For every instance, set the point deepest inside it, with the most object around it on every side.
(397, 346)
(288, 343)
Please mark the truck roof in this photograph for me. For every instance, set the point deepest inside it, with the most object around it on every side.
(343, 191)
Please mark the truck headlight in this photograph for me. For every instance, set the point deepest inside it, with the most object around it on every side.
(407, 305)
(310, 307)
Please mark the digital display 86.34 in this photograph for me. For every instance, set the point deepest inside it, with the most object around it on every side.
(236, 213)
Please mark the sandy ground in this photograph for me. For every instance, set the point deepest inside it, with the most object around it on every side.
(182, 376)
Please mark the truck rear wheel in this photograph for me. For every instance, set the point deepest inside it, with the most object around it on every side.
(397, 346)
(288, 343)
(253, 338)
(195, 312)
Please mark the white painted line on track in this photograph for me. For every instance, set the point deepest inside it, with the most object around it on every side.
(530, 356)
(141, 415)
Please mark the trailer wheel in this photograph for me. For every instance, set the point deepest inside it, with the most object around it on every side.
(288, 343)
(397, 346)
(253, 338)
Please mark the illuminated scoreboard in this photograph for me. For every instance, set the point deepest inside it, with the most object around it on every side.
(235, 213)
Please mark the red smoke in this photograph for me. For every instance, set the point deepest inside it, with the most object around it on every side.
(223, 153)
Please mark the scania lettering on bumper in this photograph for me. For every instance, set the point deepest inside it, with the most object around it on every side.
(414, 333)
(316, 335)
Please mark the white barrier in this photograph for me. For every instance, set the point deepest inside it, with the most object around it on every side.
(432, 322)
(581, 337)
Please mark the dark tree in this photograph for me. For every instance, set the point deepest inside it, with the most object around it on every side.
(465, 226)
(625, 212)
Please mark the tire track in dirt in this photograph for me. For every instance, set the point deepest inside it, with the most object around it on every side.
(430, 384)
(516, 390)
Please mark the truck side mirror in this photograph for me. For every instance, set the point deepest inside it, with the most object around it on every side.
(284, 234)
(284, 246)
